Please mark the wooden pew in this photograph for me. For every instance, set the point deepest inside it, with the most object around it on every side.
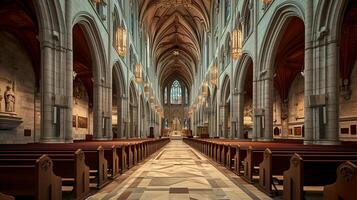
(6, 197)
(95, 158)
(70, 166)
(310, 171)
(345, 185)
(33, 178)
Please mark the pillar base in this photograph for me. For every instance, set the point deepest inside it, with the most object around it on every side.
(264, 139)
(54, 140)
(327, 142)
(102, 138)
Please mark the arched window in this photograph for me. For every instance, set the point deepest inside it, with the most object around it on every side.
(176, 93)
(165, 95)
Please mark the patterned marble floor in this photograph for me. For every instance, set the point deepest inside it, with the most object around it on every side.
(178, 172)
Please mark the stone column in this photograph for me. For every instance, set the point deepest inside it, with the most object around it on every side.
(308, 72)
(332, 104)
(240, 113)
(48, 128)
(268, 108)
(234, 114)
(97, 111)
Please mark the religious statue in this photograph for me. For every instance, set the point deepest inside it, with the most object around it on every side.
(9, 100)
(176, 124)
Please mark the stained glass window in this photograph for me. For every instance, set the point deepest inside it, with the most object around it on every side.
(176, 93)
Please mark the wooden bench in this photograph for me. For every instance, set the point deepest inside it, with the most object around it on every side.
(70, 166)
(31, 178)
(310, 171)
(345, 185)
(95, 157)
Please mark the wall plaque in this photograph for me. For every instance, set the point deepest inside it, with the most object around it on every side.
(353, 130)
(345, 130)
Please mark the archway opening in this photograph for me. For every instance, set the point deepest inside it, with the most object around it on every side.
(248, 102)
(117, 104)
(348, 74)
(289, 81)
(82, 85)
(175, 101)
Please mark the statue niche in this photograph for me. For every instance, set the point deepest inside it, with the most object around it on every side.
(8, 116)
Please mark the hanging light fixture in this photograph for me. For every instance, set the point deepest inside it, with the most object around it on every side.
(213, 75)
(138, 73)
(121, 41)
(205, 88)
(236, 43)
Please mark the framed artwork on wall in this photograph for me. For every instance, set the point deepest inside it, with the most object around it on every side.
(297, 131)
(82, 122)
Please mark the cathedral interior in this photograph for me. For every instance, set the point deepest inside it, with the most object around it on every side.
(178, 99)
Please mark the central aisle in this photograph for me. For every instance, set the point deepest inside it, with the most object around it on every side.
(179, 172)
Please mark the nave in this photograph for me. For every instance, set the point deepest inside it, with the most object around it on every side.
(179, 172)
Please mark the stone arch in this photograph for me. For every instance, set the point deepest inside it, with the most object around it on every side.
(92, 33)
(243, 74)
(101, 117)
(283, 14)
(275, 31)
(328, 20)
(49, 15)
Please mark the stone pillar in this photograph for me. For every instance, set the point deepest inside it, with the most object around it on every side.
(240, 112)
(48, 128)
(97, 111)
(308, 72)
(332, 103)
(69, 75)
(268, 108)
(234, 114)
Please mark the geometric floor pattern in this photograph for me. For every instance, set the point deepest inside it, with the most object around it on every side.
(178, 172)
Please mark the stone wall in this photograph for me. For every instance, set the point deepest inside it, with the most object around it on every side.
(16, 70)
(81, 110)
(296, 106)
(348, 110)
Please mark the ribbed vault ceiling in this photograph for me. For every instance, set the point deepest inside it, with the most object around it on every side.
(176, 29)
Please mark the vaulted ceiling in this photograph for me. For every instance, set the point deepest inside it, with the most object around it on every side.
(176, 29)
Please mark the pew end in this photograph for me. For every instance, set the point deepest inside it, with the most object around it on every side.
(345, 185)
(265, 173)
(294, 179)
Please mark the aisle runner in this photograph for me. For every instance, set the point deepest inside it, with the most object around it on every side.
(179, 172)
